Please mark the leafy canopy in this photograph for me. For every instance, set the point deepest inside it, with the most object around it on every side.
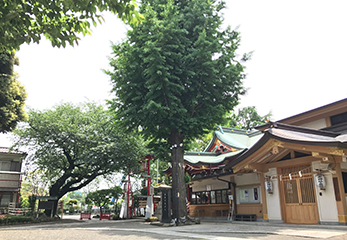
(59, 20)
(12, 94)
(72, 145)
(247, 118)
(178, 72)
(103, 197)
(72, 202)
(176, 75)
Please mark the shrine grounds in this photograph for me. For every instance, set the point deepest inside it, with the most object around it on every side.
(71, 228)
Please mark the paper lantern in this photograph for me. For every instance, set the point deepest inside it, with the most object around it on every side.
(320, 181)
(269, 186)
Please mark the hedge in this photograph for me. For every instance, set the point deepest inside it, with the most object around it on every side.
(10, 219)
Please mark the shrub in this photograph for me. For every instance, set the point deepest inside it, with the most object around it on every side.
(9, 219)
(32, 202)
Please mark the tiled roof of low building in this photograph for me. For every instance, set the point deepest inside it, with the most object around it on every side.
(11, 151)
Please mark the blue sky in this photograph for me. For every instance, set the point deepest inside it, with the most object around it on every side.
(298, 62)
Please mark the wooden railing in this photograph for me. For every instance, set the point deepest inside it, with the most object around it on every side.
(19, 211)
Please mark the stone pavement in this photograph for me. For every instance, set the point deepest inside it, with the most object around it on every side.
(205, 230)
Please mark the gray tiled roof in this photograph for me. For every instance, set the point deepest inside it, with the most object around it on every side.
(7, 150)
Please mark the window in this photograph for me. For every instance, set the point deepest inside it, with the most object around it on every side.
(339, 118)
(5, 166)
(15, 166)
(211, 197)
(344, 178)
(249, 194)
(224, 197)
(198, 198)
(5, 199)
(193, 199)
(12, 166)
(218, 197)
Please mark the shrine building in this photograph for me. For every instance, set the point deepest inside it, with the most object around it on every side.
(290, 171)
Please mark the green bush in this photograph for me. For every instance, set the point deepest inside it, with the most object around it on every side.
(9, 219)
(71, 210)
(32, 202)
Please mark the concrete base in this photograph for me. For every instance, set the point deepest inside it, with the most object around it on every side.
(331, 223)
(275, 221)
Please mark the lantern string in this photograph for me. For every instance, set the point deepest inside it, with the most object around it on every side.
(290, 175)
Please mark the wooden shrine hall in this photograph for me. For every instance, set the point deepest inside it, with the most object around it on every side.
(293, 170)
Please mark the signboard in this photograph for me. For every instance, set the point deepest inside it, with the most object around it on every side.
(47, 198)
(166, 205)
(46, 205)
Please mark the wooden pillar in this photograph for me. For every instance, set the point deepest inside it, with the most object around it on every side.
(341, 206)
(233, 192)
(263, 197)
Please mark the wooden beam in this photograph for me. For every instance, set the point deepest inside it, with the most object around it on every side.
(311, 148)
(255, 156)
(268, 147)
(258, 167)
(288, 163)
(278, 156)
(326, 158)
(275, 150)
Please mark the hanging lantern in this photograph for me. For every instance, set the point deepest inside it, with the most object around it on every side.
(320, 181)
(269, 186)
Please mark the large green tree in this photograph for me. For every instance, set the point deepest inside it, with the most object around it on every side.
(247, 118)
(24, 21)
(12, 94)
(176, 75)
(73, 145)
(103, 197)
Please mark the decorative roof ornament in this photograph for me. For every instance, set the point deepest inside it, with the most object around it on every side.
(220, 129)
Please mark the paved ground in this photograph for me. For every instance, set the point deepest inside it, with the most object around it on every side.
(138, 229)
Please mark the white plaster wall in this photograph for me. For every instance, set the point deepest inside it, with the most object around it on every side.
(318, 124)
(214, 183)
(247, 179)
(273, 200)
(226, 177)
(326, 203)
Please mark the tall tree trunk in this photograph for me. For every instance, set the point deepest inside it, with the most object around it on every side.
(54, 193)
(179, 191)
(48, 212)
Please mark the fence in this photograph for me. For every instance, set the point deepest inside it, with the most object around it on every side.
(15, 211)
(85, 216)
(19, 211)
(105, 216)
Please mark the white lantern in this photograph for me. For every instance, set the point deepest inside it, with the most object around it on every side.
(320, 181)
(269, 186)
